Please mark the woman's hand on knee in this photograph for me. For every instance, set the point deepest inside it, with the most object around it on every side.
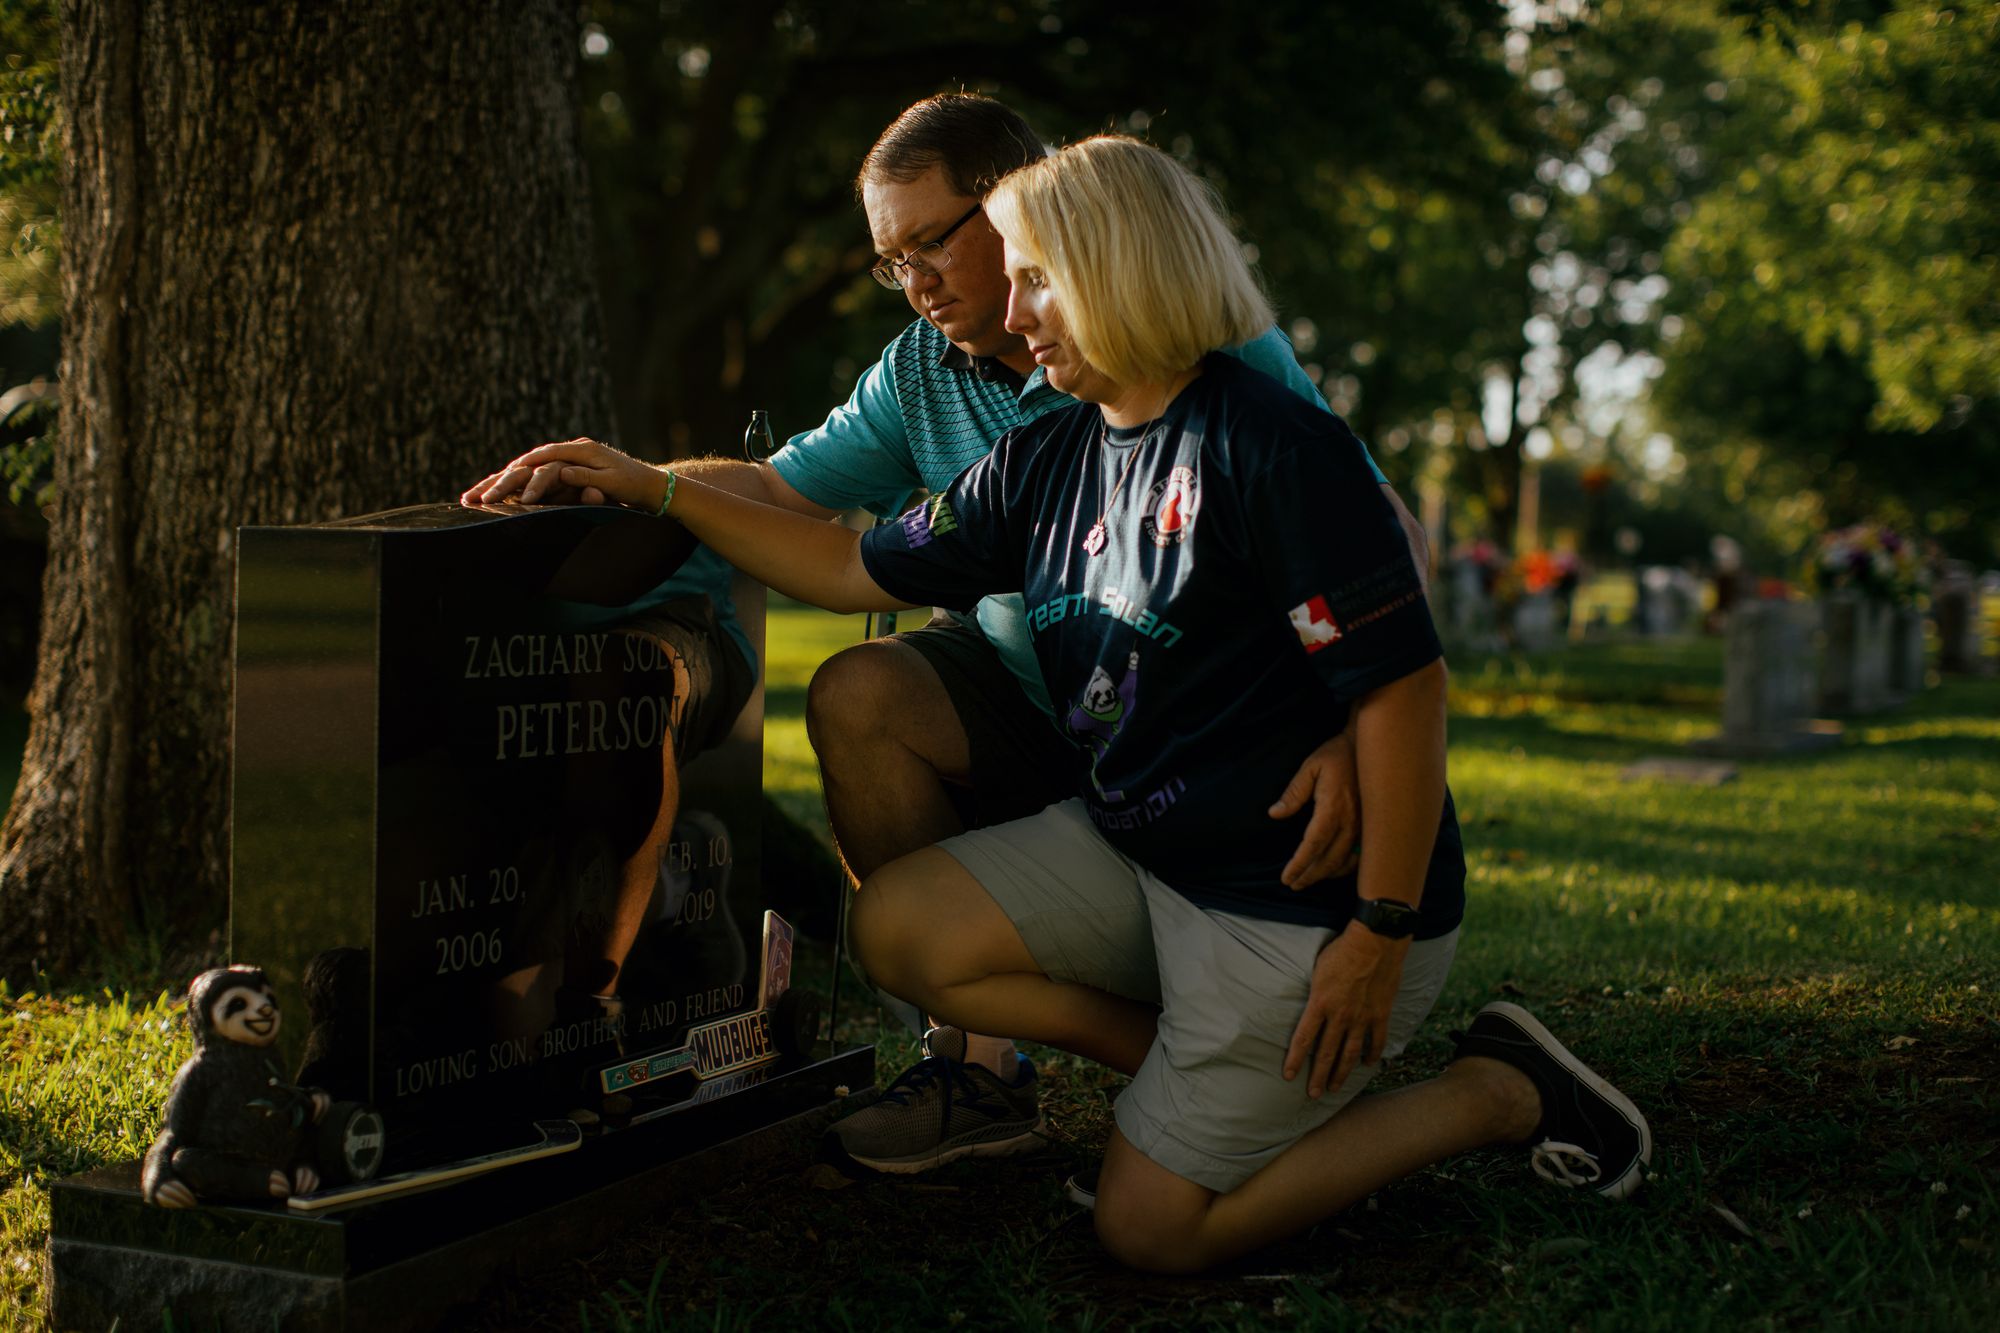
(1346, 1022)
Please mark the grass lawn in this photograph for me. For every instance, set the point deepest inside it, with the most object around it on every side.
(1793, 974)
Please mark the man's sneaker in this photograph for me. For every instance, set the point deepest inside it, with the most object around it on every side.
(1591, 1136)
(942, 1109)
(1082, 1187)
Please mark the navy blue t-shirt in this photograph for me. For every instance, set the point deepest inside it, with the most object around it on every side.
(1251, 585)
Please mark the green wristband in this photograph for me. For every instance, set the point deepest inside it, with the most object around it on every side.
(668, 498)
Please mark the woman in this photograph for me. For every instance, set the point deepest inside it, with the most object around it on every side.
(1214, 581)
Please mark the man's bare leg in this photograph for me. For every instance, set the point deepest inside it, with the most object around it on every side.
(890, 747)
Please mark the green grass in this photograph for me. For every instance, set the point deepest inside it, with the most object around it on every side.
(1793, 973)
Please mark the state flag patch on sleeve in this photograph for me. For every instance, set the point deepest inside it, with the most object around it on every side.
(1315, 624)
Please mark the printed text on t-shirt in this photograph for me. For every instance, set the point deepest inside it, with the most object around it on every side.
(1110, 602)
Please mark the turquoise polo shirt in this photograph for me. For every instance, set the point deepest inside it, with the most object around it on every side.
(926, 412)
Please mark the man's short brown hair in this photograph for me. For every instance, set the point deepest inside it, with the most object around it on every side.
(975, 139)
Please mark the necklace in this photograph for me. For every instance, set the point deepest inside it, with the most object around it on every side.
(1094, 540)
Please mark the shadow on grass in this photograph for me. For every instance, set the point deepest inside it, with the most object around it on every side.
(786, 702)
(1842, 1162)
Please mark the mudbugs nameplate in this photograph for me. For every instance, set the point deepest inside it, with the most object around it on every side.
(741, 1041)
(734, 1044)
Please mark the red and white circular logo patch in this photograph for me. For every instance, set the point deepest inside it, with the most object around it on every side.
(1170, 508)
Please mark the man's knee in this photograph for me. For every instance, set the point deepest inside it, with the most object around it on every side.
(883, 693)
(852, 695)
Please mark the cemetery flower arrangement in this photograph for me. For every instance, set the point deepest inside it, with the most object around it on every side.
(1546, 571)
(1872, 559)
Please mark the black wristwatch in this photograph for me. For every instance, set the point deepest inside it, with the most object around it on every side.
(1387, 917)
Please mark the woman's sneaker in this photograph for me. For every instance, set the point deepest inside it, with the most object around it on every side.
(942, 1109)
(1591, 1135)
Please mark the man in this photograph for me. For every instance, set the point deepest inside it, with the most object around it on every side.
(925, 734)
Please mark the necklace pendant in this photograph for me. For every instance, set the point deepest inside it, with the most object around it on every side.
(1093, 541)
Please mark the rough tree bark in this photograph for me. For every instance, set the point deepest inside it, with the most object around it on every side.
(319, 259)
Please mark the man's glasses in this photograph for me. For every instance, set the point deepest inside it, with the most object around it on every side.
(929, 259)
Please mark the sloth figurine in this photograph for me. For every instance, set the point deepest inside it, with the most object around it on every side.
(235, 1129)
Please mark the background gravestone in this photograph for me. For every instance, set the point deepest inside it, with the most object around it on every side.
(1956, 605)
(1854, 667)
(1767, 681)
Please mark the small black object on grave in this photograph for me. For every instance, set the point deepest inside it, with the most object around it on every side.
(235, 1128)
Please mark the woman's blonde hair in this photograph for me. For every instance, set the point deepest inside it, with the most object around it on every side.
(1148, 274)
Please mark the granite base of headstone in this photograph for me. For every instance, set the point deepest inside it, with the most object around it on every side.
(447, 841)
(406, 1262)
(1767, 683)
(1854, 662)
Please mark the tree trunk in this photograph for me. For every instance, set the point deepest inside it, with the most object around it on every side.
(1499, 472)
(319, 259)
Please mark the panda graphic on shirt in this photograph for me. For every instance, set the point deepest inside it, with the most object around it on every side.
(1101, 713)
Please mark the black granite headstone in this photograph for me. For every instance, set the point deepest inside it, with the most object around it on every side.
(447, 750)
(447, 745)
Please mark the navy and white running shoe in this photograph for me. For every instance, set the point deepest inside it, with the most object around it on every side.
(940, 1110)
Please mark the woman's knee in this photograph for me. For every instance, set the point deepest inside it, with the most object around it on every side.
(881, 931)
(922, 925)
(1140, 1234)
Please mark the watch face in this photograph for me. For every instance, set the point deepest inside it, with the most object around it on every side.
(1391, 919)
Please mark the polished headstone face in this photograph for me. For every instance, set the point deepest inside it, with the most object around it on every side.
(447, 745)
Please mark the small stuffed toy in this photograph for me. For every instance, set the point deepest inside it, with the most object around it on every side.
(235, 1129)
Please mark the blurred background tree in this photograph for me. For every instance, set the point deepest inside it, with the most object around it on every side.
(1677, 267)
(724, 138)
(1837, 290)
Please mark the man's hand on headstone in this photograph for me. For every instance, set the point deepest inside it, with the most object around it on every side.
(577, 471)
(1327, 781)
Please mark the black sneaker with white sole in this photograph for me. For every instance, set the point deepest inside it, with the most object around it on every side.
(1591, 1135)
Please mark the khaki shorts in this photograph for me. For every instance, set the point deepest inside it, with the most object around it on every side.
(1210, 1103)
